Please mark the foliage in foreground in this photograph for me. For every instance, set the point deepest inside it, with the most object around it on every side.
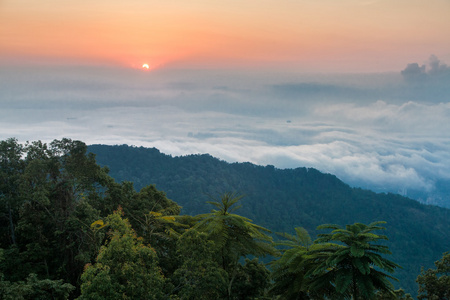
(282, 199)
(353, 262)
(68, 230)
(33, 288)
(435, 283)
(125, 268)
(344, 264)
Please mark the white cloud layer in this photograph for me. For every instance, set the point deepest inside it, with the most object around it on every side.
(374, 131)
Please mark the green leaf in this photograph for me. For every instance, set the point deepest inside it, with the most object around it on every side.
(356, 250)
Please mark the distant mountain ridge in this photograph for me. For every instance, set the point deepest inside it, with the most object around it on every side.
(281, 199)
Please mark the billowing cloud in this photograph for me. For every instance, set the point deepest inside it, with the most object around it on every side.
(436, 67)
(414, 72)
(368, 130)
(436, 70)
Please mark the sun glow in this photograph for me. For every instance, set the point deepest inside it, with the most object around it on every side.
(145, 66)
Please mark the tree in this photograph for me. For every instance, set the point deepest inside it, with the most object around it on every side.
(397, 295)
(154, 216)
(355, 265)
(11, 168)
(51, 193)
(35, 289)
(434, 284)
(125, 268)
(252, 280)
(199, 275)
(234, 236)
(45, 195)
(291, 272)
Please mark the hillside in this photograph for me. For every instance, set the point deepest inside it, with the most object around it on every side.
(283, 199)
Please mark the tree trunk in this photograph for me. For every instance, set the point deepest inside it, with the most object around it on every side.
(11, 225)
(230, 285)
(355, 287)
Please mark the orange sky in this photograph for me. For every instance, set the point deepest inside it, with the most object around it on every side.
(322, 35)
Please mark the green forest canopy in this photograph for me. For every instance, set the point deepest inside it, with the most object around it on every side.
(70, 230)
(284, 199)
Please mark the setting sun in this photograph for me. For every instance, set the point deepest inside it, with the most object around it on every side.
(145, 66)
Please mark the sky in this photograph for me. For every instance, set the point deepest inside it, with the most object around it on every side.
(311, 35)
(359, 89)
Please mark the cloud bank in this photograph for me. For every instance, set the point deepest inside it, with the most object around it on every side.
(387, 132)
(436, 71)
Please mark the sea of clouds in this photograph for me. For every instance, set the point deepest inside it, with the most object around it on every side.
(387, 131)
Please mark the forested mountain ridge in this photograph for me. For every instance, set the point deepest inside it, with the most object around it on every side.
(283, 199)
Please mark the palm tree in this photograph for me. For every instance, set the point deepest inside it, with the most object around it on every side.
(234, 236)
(355, 265)
(289, 271)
